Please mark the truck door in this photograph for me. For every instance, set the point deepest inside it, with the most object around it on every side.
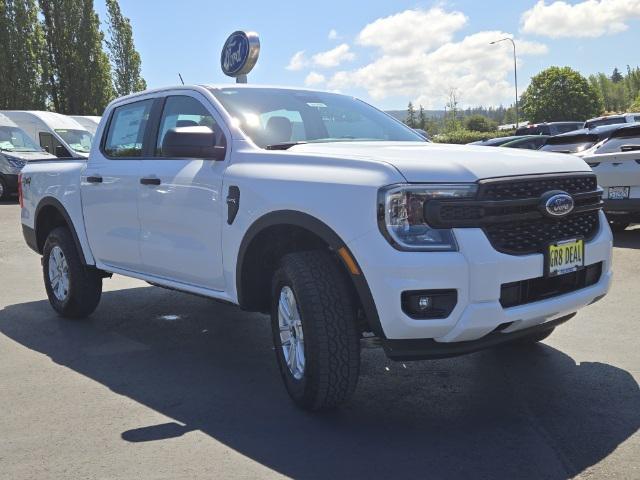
(110, 187)
(181, 202)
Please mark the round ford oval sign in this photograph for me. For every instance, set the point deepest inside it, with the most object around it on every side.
(558, 204)
(240, 53)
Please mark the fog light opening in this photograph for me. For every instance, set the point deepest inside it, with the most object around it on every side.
(429, 304)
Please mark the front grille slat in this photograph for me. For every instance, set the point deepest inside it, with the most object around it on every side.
(508, 212)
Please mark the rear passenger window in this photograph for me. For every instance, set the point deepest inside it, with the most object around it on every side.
(183, 111)
(126, 130)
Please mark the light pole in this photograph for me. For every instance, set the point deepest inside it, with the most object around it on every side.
(515, 69)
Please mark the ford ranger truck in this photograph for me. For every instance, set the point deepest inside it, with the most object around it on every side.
(335, 219)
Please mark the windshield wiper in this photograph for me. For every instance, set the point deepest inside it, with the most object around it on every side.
(283, 145)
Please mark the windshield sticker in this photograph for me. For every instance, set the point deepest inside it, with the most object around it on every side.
(316, 105)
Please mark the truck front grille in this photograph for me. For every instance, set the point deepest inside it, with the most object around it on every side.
(509, 211)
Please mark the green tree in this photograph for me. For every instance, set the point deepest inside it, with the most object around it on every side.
(479, 123)
(422, 119)
(560, 93)
(125, 59)
(78, 73)
(616, 76)
(21, 56)
(411, 116)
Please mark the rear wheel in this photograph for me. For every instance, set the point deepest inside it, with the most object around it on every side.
(3, 189)
(73, 289)
(618, 226)
(313, 319)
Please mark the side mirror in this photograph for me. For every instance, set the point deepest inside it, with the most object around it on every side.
(192, 142)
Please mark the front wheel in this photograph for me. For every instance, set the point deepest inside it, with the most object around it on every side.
(313, 319)
(73, 289)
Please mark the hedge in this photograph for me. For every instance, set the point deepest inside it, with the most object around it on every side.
(468, 136)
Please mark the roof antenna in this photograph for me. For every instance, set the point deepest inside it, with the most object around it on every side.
(181, 78)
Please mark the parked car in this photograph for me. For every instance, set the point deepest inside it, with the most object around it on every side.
(57, 134)
(88, 122)
(495, 142)
(579, 142)
(616, 162)
(16, 149)
(336, 219)
(549, 128)
(530, 142)
(612, 120)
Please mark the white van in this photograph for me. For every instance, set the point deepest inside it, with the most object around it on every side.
(89, 122)
(56, 133)
(16, 149)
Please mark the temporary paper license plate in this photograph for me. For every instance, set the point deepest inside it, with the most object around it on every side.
(565, 257)
(618, 193)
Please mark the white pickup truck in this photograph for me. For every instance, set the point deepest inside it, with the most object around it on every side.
(337, 220)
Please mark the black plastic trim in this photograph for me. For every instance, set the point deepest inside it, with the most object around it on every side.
(50, 201)
(308, 222)
(10, 182)
(29, 235)
(427, 348)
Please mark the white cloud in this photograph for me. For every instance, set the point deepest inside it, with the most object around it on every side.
(412, 30)
(590, 18)
(297, 62)
(333, 34)
(314, 78)
(334, 57)
(481, 73)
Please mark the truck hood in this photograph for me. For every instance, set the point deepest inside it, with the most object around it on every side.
(29, 156)
(434, 162)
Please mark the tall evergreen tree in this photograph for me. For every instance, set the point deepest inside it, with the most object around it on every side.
(422, 118)
(79, 74)
(21, 56)
(411, 116)
(125, 59)
(616, 76)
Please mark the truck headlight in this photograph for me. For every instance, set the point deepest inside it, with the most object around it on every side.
(401, 215)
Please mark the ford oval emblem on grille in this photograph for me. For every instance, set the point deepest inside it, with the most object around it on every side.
(557, 204)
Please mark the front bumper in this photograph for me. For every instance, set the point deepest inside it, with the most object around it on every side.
(618, 209)
(477, 272)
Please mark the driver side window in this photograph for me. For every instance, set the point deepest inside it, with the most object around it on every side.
(183, 111)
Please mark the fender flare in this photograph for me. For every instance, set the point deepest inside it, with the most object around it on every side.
(55, 203)
(329, 236)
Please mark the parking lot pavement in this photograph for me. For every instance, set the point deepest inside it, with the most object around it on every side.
(159, 384)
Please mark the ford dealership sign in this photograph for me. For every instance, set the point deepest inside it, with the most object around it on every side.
(240, 54)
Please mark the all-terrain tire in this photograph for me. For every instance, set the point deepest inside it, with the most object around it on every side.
(331, 338)
(84, 290)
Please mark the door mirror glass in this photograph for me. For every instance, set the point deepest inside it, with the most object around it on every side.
(192, 142)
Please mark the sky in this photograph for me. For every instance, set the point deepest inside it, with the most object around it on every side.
(387, 52)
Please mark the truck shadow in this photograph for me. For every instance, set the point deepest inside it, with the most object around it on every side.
(507, 413)
(630, 238)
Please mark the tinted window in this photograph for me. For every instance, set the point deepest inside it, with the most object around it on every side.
(182, 111)
(620, 144)
(126, 130)
(564, 128)
(272, 116)
(53, 146)
(569, 147)
(605, 121)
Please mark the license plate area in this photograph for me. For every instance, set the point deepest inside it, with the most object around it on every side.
(618, 193)
(564, 257)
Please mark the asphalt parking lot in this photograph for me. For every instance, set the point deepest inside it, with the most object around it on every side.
(159, 384)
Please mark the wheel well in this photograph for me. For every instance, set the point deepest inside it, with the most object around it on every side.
(49, 217)
(262, 257)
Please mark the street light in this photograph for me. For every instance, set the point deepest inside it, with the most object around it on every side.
(515, 69)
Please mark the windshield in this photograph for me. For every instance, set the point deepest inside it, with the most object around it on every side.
(568, 147)
(272, 116)
(14, 139)
(78, 140)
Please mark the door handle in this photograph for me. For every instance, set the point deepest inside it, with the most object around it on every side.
(150, 181)
(94, 179)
